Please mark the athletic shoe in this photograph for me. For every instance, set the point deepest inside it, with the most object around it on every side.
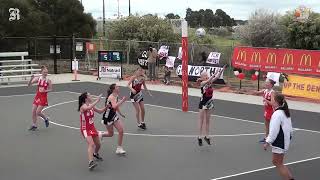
(97, 157)
(144, 125)
(92, 165)
(199, 141)
(141, 126)
(46, 122)
(120, 151)
(33, 128)
(207, 140)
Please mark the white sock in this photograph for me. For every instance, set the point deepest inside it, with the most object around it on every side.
(100, 134)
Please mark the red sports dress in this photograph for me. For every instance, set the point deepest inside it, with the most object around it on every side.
(268, 109)
(41, 98)
(87, 124)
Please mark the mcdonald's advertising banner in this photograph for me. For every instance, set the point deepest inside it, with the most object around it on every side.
(302, 87)
(277, 60)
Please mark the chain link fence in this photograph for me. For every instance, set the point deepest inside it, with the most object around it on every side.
(57, 54)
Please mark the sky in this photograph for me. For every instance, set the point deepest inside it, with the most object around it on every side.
(238, 9)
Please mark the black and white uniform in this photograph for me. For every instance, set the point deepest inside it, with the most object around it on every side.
(280, 132)
(110, 115)
(136, 85)
(206, 100)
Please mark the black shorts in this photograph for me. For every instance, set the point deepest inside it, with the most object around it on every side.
(136, 97)
(206, 104)
(109, 117)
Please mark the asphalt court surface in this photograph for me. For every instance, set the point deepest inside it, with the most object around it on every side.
(167, 150)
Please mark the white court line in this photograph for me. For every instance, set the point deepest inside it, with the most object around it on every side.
(185, 136)
(231, 118)
(19, 95)
(149, 135)
(236, 119)
(266, 168)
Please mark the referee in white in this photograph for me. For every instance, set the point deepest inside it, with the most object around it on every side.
(280, 134)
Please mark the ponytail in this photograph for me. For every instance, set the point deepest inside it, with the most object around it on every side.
(110, 91)
(279, 98)
(82, 99)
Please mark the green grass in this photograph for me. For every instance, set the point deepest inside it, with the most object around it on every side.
(225, 41)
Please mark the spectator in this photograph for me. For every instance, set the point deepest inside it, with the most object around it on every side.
(203, 58)
(152, 58)
(167, 74)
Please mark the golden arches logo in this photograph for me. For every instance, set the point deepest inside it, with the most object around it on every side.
(272, 58)
(242, 55)
(306, 60)
(256, 57)
(287, 59)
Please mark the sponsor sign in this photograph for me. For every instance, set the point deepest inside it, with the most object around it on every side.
(110, 71)
(194, 72)
(302, 87)
(277, 60)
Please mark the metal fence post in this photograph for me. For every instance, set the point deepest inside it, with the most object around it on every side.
(55, 55)
(128, 52)
(72, 51)
(192, 53)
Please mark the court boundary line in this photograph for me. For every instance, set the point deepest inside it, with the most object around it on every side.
(226, 117)
(33, 94)
(237, 119)
(148, 135)
(185, 136)
(176, 109)
(266, 168)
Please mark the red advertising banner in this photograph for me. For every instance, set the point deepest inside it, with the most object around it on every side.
(184, 74)
(277, 60)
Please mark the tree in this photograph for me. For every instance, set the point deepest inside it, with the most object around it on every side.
(302, 35)
(226, 19)
(172, 16)
(206, 18)
(263, 30)
(143, 28)
(46, 18)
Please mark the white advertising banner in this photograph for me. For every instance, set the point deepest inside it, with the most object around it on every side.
(196, 71)
(214, 58)
(110, 71)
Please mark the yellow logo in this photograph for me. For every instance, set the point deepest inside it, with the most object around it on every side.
(256, 56)
(288, 58)
(306, 60)
(242, 55)
(272, 58)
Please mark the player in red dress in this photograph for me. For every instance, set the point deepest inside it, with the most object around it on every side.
(41, 98)
(268, 94)
(87, 128)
